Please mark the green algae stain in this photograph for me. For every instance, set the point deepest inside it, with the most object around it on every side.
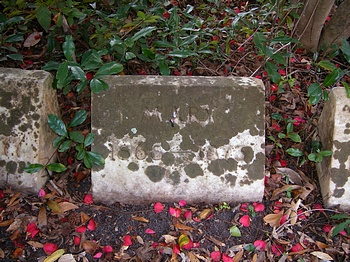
(193, 170)
(155, 173)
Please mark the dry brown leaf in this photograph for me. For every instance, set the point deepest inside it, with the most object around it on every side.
(18, 252)
(42, 219)
(16, 234)
(321, 245)
(90, 247)
(55, 208)
(293, 176)
(273, 220)
(169, 239)
(205, 213)
(192, 257)
(255, 258)
(6, 223)
(84, 217)
(2, 254)
(294, 212)
(183, 227)
(33, 39)
(141, 219)
(13, 199)
(321, 255)
(66, 206)
(215, 241)
(35, 244)
(238, 256)
(140, 240)
(276, 193)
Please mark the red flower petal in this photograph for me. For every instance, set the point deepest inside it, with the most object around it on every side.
(81, 229)
(88, 199)
(41, 193)
(91, 225)
(277, 249)
(188, 246)
(32, 229)
(98, 255)
(49, 248)
(76, 240)
(176, 249)
(150, 231)
(182, 203)
(260, 244)
(327, 228)
(215, 256)
(296, 248)
(245, 220)
(188, 214)
(127, 240)
(158, 207)
(175, 212)
(108, 249)
(258, 207)
(244, 207)
(226, 258)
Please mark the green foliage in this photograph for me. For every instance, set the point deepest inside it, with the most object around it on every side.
(235, 232)
(67, 139)
(317, 154)
(345, 225)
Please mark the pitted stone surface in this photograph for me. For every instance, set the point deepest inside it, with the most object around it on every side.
(172, 138)
(334, 133)
(26, 99)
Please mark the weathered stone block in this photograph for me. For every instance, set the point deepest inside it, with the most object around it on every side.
(172, 138)
(334, 132)
(26, 99)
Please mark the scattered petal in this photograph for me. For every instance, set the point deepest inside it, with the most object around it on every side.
(108, 249)
(182, 203)
(41, 193)
(215, 256)
(245, 220)
(81, 229)
(98, 255)
(258, 207)
(260, 244)
(176, 249)
(49, 248)
(175, 212)
(226, 258)
(296, 248)
(32, 230)
(127, 241)
(76, 240)
(91, 225)
(88, 199)
(158, 207)
(277, 249)
(188, 214)
(244, 207)
(326, 228)
(149, 231)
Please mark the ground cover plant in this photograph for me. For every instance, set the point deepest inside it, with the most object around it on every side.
(80, 42)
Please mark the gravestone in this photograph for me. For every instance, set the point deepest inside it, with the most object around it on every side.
(334, 132)
(26, 99)
(170, 138)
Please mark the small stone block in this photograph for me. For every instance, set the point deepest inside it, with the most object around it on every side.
(170, 138)
(334, 132)
(26, 99)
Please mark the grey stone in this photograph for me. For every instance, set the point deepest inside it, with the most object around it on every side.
(170, 138)
(334, 132)
(26, 99)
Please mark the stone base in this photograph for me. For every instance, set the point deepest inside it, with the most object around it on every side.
(26, 99)
(170, 138)
(334, 132)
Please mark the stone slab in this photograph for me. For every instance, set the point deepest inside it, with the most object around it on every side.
(26, 99)
(170, 138)
(334, 133)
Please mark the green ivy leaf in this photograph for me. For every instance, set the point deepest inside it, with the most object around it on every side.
(96, 158)
(57, 125)
(326, 153)
(295, 152)
(81, 151)
(78, 118)
(340, 216)
(340, 227)
(76, 136)
(283, 40)
(87, 161)
(314, 92)
(98, 85)
(272, 72)
(89, 139)
(328, 65)
(142, 33)
(345, 48)
(235, 232)
(56, 167)
(314, 157)
(69, 48)
(57, 141)
(347, 89)
(62, 74)
(91, 60)
(77, 73)
(109, 69)
(43, 15)
(64, 146)
(182, 53)
(333, 77)
(32, 168)
(295, 137)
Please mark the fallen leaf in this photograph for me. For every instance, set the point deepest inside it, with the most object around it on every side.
(192, 257)
(238, 256)
(140, 240)
(183, 227)
(35, 244)
(42, 219)
(205, 213)
(141, 219)
(66, 206)
(292, 175)
(321, 245)
(273, 220)
(13, 199)
(278, 191)
(18, 252)
(321, 255)
(55, 208)
(6, 223)
(33, 39)
(169, 239)
(158, 207)
(84, 217)
(67, 258)
(90, 246)
(56, 255)
(2, 254)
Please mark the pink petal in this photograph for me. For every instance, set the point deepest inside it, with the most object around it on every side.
(226, 258)
(188, 214)
(149, 231)
(98, 255)
(182, 203)
(188, 246)
(76, 240)
(176, 249)
(244, 207)
(296, 248)
(108, 249)
(91, 225)
(260, 244)
(245, 220)
(32, 230)
(258, 207)
(80, 229)
(49, 248)
(277, 249)
(41, 193)
(88, 199)
(175, 212)
(158, 207)
(215, 256)
(127, 240)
